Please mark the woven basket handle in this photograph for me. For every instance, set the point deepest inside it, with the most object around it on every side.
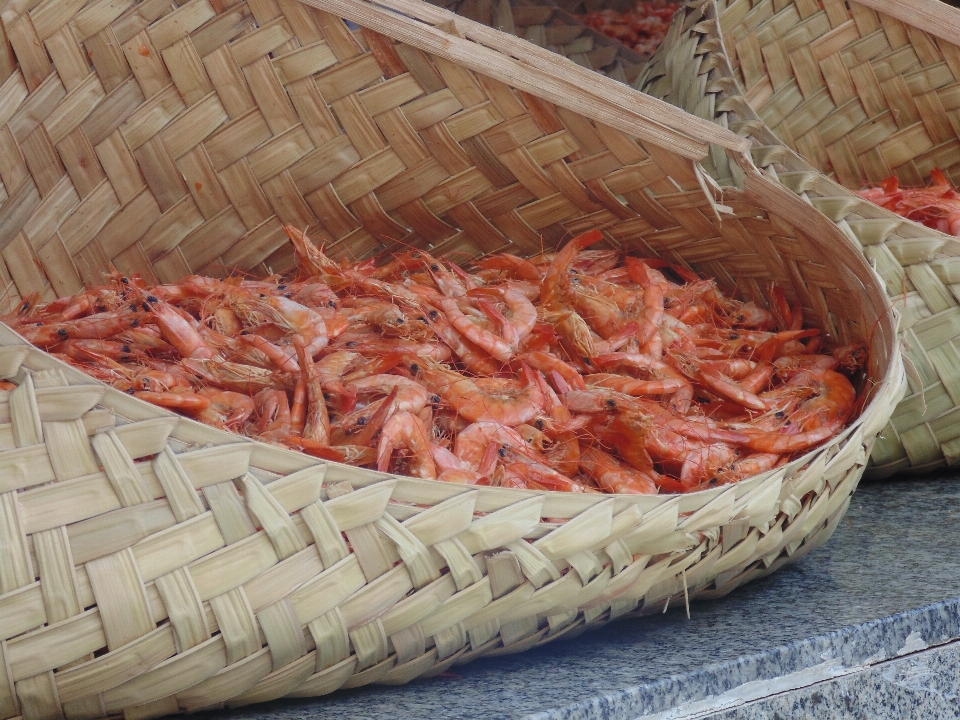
(536, 71)
(936, 18)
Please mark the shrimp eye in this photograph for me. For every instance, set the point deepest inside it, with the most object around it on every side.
(779, 413)
(434, 267)
(26, 306)
(39, 324)
(281, 287)
(152, 299)
(667, 303)
(362, 421)
(327, 396)
(146, 382)
(352, 343)
(399, 321)
(734, 336)
(134, 307)
(125, 348)
(414, 368)
(124, 281)
(135, 323)
(434, 314)
(130, 391)
(502, 452)
(435, 399)
(539, 424)
(611, 402)
(146, 308)
(740, 317)
(331, 304)
(62, 333)
(713, 481)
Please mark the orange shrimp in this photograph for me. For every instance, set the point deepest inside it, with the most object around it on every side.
(92, 327)
(510, 405)
(472, 442)
(411, 396)
(310, 256)
(405, 431)
(614, 476)
(657, 370)
(498, 347)
(316, 422)
(548, 362)
(555, 287)
(653, 306)
(523, 314)
(704, 462)
(227, 410)
(632, 386)
(237, 377)
(179, 329)
(350, 454)
(512, 266)
(186, 401)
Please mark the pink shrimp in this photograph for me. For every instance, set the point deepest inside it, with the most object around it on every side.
(614, 476)
(405, 431)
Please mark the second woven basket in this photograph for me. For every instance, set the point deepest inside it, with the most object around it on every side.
(920, 267)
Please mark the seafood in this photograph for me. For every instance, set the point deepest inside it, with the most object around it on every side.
(581, 370)
(642, 28)
(937, 206)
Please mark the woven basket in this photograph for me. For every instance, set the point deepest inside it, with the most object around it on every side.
(544, 24)
(920, 267)
(151, 565)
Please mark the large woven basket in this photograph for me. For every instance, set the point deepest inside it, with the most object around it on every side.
(920, 267)
(151, 565)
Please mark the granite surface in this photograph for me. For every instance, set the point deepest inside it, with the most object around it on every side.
(820, 631)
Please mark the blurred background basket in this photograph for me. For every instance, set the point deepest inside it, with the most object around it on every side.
(920, 267)
(150, 565)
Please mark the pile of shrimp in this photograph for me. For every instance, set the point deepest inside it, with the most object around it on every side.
(936, 206)
(642, 28)
(582, 370)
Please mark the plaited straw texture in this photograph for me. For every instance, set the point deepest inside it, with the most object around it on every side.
(863, 92)
(151, 565)
(920, 267)
(545, 25)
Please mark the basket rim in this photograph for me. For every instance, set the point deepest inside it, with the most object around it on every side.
(482, 49)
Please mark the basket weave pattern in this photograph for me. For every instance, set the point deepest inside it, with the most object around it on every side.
(151, 565)
(163, 589)
(548, 26)
(920, 267)
(860, 91)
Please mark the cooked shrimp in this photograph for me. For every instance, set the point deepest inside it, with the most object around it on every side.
(227, 410)
(185, 401)
(316, 421)
(510, 405)
(613, 476)
(411, 396)
(472, 442)
(479, 336)
(405, 431)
